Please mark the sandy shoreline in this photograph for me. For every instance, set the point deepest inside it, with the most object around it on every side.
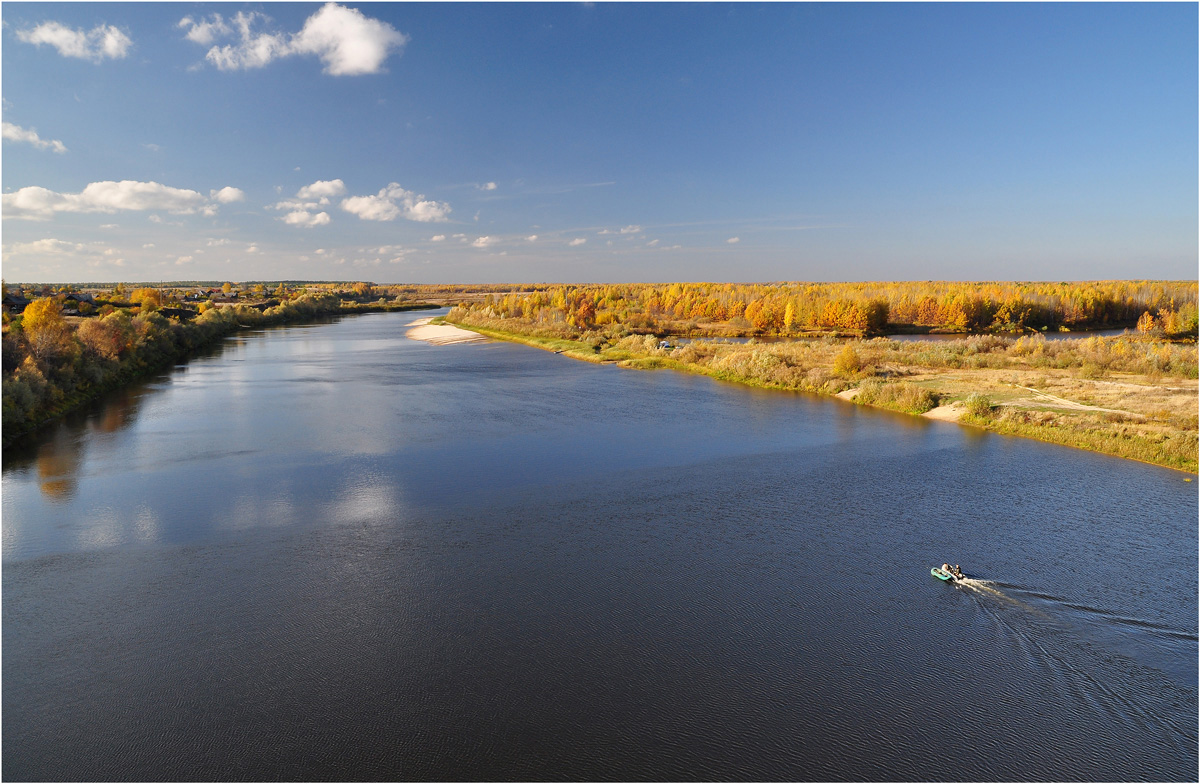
(441, 334)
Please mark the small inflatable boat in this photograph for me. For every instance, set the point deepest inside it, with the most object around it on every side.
(948, 575)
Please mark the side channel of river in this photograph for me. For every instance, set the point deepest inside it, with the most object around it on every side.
(331, 552)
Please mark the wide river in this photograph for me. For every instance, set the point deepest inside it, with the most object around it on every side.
(332, 552)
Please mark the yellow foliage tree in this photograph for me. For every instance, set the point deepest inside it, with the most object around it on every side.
(45, 328)
(149, 299)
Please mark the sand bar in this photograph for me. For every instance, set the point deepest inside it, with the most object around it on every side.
(441, 334)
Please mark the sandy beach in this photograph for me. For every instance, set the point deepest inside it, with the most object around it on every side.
(441, 334)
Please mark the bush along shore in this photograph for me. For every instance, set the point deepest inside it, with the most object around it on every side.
(54, 365)
(1132, 396)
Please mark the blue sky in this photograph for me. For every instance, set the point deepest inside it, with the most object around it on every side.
(599, 142)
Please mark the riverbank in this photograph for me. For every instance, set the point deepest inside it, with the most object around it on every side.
(48, 376)
(1123, 396)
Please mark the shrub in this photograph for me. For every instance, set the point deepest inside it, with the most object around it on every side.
(847, 362)
(979, 405)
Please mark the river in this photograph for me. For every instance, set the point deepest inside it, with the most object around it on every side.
(330, 552)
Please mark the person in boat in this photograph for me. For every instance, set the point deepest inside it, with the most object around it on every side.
(957, 572)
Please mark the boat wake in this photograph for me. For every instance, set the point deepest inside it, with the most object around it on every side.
(1051, 641)
(988, 588)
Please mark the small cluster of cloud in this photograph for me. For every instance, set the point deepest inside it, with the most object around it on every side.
(390, 203)
(487, 186)
(734, 240)
(37, 203)
(15, 133)
(575, 243)
(394, 202)
(227, 195)
(626, 230)
(302, 211)
(102, 41)
(346, 41)
(50, 248)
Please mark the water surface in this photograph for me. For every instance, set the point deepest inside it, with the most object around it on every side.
(330, 552)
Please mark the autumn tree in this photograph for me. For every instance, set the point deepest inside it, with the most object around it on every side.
(45, 328)
(149, 299)
(108, 336)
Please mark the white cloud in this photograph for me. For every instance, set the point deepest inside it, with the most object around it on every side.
(37, 203)
(216, 243)
(322, 189)
(183, 260)
(306, 219)
(487, 186)
(532, 238)
(394, 202)
(346, 41)
(205, 33)
(148, 245)
(228, 195)
(15, 133)
(734, 240)
(253, 51)
(651, 243)
(631, 230)
(309, 199)
(48, 246)
(483, 242)
(437, 238)
(575, 243)
(96, 44)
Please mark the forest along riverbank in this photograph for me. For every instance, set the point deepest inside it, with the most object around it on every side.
(1126, 396)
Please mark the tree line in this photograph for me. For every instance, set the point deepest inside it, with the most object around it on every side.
(861, 308)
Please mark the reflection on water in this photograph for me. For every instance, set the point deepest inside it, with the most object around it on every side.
(57, 462)
(331, 552)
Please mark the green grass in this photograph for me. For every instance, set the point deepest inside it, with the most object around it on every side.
(1177, 450)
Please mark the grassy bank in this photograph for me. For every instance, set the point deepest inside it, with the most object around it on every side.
(1126, 396)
